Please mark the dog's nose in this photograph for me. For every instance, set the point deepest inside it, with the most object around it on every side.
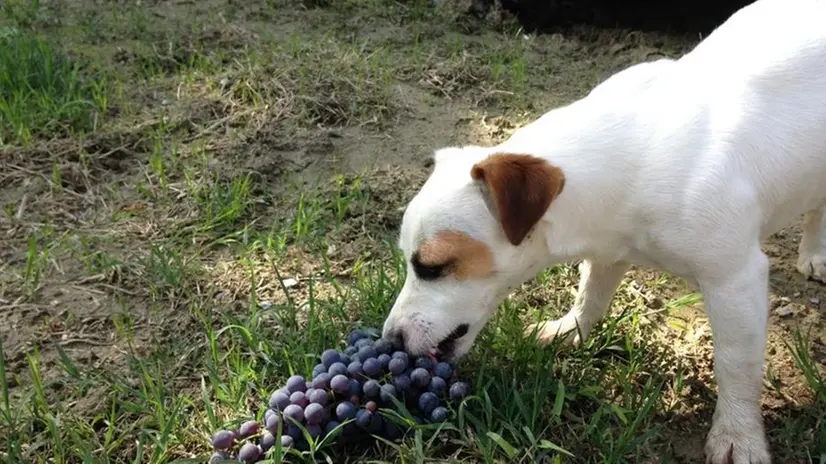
(396, 338)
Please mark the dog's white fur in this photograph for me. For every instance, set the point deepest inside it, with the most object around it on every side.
(683, 165)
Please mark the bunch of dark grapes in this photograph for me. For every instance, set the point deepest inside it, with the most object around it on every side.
(347, 390)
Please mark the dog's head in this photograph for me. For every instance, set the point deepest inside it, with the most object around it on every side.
(468, 236)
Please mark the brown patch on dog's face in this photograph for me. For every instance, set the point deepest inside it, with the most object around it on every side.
(453, 253)
(521, 187)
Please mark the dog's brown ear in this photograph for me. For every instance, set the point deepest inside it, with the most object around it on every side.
(521, 187)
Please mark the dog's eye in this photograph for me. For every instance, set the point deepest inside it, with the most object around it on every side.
(426, 271)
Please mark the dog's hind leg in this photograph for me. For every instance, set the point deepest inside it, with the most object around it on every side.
(811, 259)
(597, 285)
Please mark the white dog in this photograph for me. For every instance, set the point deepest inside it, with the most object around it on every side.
(683, 165)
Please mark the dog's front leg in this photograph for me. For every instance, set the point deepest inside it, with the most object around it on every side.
(597, 285)
(737, 306)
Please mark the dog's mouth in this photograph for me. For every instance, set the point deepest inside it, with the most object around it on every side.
(447, 346)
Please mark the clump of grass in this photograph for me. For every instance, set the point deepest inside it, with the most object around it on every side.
(42, 90)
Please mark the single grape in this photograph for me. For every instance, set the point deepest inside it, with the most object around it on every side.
(401, 382)
(376, 424)
(286, 441)
(340, 384)
(319, 369)
(371, 388)
(428, 402)
(372, 367)
(384, 359)
(363, 418)
(397, 366)
(248, 428)
(420, 377)
(296, 383)
(354, 388)
(458, 391)
(279, 400)
(387, 392)
(424, 363)
(337, 368)
(322, 381)
(355, 336)
(249, 453)
(217, 457)
(314, 413)
(294, 412)
(330, 357)
(443, 370)
(318, 396)
(330, 427)
(267, 441)
(371, 406)
(314, 430)
(363, 343)
(355, 369)
(267, 414)
(300, 399)
(223, 439)
(295, 432)
(439, 414)
(401, 355)
(367, 352)
(437, 386)
(382, 346)
(345, 359)
(345, 411)
(351, 350)
(272, 423)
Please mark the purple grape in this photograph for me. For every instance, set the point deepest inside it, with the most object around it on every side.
(355, 369)
(382, 346)
(267, 414)
(397, 366)
(330, 427)
(458, 391)
(372, 367)
(314, 413)
(401, 382)
(249, 453)
(428, 402)
(272, 423)
(363, 343)
(318, 396)
(337, 369)
(437, 386)
(295, 432)
(439, 414)
(279, 400)
(424, 363)
(345, 411)
(371, 389)
(296, 383)
(223, 439)
(322, 381)
(314, 430)
(371, 406)
(384, 359)
(319, 369)
(330, 357)
(391, 430)
(267, 441)
(401, 355)
(340, 384)
(363, 418)
(217, 457)
(355, 336)
(354, 388)
(387, 392)
(376, 424)
(248, 428)
(351, 350)
(287, 441)
(443, 370)
(294, 412)
(367, 352)
(345, 359)
(420, 377)
(300, 399)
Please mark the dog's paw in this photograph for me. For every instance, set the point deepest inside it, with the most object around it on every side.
(743, 445)
(812, 266)
(565, 329)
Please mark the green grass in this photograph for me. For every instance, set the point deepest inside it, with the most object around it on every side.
(175, 257)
